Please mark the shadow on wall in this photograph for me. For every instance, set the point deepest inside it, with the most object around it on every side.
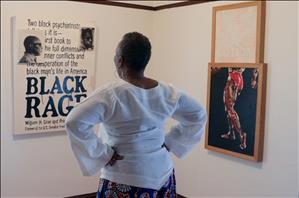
(238, 160)
(38, 135)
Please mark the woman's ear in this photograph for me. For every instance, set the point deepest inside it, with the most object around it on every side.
(118, 61)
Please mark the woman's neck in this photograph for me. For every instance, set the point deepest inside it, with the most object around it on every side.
(138, 79)
(132, 75)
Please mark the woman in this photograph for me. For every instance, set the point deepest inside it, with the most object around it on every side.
(134, 160)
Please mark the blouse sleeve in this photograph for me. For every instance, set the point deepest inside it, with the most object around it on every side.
(191, 117)
(91, 153)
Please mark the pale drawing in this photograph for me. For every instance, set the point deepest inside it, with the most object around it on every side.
(235, 39)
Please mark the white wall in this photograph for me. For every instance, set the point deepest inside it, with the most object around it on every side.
(182, 45)
(43, 165)
(298, 95)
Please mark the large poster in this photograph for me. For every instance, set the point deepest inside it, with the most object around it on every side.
(54, 67)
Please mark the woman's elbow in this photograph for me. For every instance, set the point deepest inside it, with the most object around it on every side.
(69, 121)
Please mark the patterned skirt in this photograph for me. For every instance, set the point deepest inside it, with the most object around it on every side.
(111, 189)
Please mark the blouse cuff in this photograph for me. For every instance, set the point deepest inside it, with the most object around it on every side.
(90, 166)
(176, 147)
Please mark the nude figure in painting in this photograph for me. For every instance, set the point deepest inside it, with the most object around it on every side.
(232, 90)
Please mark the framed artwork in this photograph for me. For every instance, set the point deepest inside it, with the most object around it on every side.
(238, 33)
(236, 108)
(53, 70)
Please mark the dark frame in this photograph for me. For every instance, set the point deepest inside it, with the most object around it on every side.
(143, 7)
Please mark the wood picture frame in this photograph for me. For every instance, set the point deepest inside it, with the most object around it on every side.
(235, 106)
(238, 32)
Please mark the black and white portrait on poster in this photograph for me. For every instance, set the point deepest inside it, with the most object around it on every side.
(54, 67)
(31, 47)
(87, 39)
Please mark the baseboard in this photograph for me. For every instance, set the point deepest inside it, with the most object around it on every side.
(180, 196)
(89, 195)
(93, 195)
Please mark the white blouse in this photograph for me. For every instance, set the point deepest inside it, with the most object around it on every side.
(133, 119)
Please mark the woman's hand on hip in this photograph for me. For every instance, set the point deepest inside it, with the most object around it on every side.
(114, 158)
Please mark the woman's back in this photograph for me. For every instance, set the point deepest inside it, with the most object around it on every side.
(137, 112)
(136, 150)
